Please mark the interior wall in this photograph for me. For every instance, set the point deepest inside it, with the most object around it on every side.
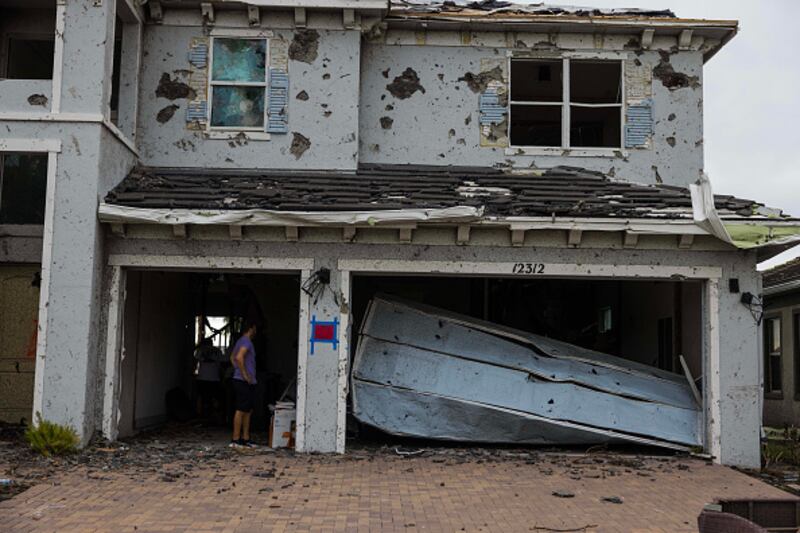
(156, 341)
(643, 304)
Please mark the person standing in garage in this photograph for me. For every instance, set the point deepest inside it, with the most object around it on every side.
(243, 358)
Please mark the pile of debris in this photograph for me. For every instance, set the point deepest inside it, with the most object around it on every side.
(491, 7)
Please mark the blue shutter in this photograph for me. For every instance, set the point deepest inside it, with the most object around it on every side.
(197, 109)
(639, 124)
(278, 106)
(491, 112)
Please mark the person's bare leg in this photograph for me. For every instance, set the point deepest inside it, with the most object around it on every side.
(246, 424)
(238, 418)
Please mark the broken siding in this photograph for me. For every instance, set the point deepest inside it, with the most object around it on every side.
(443, 125)
(328, 118)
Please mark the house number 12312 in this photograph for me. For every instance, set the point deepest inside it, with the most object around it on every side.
(528, 268)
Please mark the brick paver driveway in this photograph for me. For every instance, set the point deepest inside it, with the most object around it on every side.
(379, 490)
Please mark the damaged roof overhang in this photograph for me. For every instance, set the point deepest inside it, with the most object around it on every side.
(377, 6)
(562, 198)
(474, 20)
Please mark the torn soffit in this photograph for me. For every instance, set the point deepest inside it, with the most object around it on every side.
(360, 5)
(491, 7)
(557, 192)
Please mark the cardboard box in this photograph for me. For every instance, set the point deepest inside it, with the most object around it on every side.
(282, 425)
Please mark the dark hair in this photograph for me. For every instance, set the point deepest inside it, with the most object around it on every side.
(207, 341)
(247, 325)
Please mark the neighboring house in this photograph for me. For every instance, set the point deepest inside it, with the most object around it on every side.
(781, 333)
(526, 165)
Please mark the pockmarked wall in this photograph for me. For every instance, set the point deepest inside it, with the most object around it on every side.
(321, 111)
(421, 91)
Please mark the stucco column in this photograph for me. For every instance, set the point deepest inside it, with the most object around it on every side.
(71, 293)
(321, 392)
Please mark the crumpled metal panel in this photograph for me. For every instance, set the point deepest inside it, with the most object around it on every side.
(427, 357)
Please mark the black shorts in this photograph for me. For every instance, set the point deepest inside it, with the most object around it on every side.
(245, 394)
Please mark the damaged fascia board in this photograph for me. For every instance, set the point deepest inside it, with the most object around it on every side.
(432, 362)
(360, 5)
(259, 217)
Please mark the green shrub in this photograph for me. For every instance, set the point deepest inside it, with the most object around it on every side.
(49, 439)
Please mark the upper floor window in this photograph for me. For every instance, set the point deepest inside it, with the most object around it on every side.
(566, 103)
(238, 83)
(23, 186)
(29, 57)
(773, 351)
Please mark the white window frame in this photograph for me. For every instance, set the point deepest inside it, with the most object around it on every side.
(566, 106)
(225, 131)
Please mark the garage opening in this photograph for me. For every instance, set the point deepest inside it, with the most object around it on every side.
(646, 324)
(168, 314)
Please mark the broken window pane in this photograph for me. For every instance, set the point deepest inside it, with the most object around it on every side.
(237, 107)
(30, 59)
(536, 81)
(597, 127)
(595, 82)
(23, 184)
(536, 125)
(772, 355)
(239, 60)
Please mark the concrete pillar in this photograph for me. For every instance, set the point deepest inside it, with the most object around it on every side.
(322, 380)
(67, 387)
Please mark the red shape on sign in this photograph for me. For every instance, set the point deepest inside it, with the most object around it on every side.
(323, 332)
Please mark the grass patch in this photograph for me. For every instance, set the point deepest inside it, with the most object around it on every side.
(48, 438)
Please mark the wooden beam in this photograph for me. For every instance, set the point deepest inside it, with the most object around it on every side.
(685, 39)
(574, 237)
(405, 235)
(156, 12)
(517, 237)
(647, 38)
(292, 233)
(462, 236)
(349, 233)
(686, 241)
(349, 18)
(179, 230)
(300, 20)
(235, 232)
(254, 15)
(207, 10)
(631, 240)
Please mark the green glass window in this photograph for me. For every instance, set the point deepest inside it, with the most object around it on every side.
(238, 83)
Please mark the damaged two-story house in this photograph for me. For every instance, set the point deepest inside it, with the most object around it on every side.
(168, 162)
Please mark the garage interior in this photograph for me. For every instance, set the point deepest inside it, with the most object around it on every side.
(646, 321)
(164, 316)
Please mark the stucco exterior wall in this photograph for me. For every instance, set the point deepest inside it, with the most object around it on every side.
(326, 114)
(440, 125)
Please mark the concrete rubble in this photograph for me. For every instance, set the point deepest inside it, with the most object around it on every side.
(423, 372)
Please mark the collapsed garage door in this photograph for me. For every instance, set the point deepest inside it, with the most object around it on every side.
(168, 313)
(571, 361)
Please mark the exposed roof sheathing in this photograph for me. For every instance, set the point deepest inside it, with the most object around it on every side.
(561, 191)
(492, 7)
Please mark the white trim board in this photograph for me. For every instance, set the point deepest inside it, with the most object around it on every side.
(114, 347)
(161, 262)
(30, 145)
(302, 365)
(344, 361)
(506, 268)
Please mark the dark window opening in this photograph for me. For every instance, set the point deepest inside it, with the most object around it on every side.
(591, 106)
(23, 186)
(115, 72)
(595, 127)
(772, 356)
(30, 58)
(595, 82)
(536, 81)
(796, 337)
(536, 125)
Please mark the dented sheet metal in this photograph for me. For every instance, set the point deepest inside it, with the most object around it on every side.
(426, 373)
